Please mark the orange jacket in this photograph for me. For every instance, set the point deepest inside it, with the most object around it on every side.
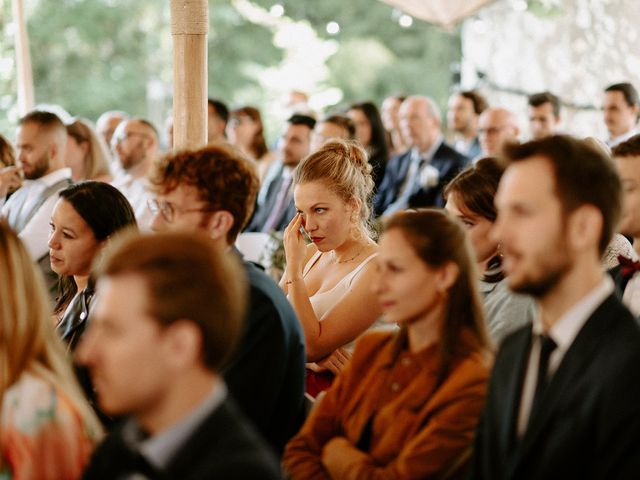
(420, 429)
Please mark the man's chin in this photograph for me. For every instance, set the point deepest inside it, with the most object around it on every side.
(536, 288)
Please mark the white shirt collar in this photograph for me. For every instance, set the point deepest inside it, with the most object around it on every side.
(612, 142)
(567, 327)
(430, 152)
(51, 178)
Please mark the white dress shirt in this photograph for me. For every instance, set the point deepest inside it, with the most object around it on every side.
(563, 333)
(612, 142)
(136, 190)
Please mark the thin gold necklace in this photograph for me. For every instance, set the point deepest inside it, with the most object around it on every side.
(348, 259)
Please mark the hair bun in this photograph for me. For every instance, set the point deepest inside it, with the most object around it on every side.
(358, 156)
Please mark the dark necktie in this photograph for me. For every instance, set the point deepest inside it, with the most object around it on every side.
(629, 267)
(547, 346)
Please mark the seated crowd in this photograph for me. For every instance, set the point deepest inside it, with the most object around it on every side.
(454, 301)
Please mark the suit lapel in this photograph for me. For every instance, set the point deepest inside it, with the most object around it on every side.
(575, 363)
(403, 168)
(517, 366)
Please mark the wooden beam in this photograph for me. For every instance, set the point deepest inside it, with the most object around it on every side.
(23, 61)
(189, 29)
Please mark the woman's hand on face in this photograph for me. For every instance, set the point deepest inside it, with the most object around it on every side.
(294, 248)
(10, 179)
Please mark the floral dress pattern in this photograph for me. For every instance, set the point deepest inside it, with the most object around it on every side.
(41, 433)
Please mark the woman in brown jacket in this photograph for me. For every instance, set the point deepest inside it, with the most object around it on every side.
(408, 403)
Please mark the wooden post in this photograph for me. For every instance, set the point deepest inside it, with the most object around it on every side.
(23, 61)
(189, 27)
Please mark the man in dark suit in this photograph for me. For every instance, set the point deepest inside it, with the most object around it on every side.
(275, 202)
(564, 395)
(168, 314)
(213, 190)
(417, 177)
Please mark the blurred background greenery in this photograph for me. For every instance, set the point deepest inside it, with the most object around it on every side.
(94, 55)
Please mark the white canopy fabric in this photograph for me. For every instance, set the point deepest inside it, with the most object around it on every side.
(441, 12)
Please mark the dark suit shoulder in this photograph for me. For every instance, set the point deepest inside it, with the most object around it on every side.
(447, 151)
(265, 294)
(617, 331)
(224, 446)
(266, 374)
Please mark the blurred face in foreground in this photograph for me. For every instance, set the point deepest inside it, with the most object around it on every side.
(629, 170)
(407, 288)
(532, 227)
(129, 355)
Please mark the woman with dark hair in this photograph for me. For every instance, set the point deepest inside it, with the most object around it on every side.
(84, 218)
(245, 131)
(371, 134)
(408, 403)
(469, 197)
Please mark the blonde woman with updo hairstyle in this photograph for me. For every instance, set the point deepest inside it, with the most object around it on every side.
(328, 281)
(47, 428)
(86, 154)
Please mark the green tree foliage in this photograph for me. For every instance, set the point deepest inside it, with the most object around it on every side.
(95, 55)
(377, 57)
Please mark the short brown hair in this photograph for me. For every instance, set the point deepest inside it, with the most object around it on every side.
(224, 177)
(187, 278)
(343, 122)
(480, 103)
(629, 148)
(583, 176)
(541, 98)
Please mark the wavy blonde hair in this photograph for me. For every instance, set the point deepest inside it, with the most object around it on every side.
(28, 341)
(96, 162)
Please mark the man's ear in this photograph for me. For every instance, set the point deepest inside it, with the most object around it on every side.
(585, 227)
(182, 343)
(54, 152)
(219, 224)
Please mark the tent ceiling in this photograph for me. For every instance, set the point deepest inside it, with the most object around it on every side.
(441, 12)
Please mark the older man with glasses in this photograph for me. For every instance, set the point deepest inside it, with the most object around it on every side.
(135, 143)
